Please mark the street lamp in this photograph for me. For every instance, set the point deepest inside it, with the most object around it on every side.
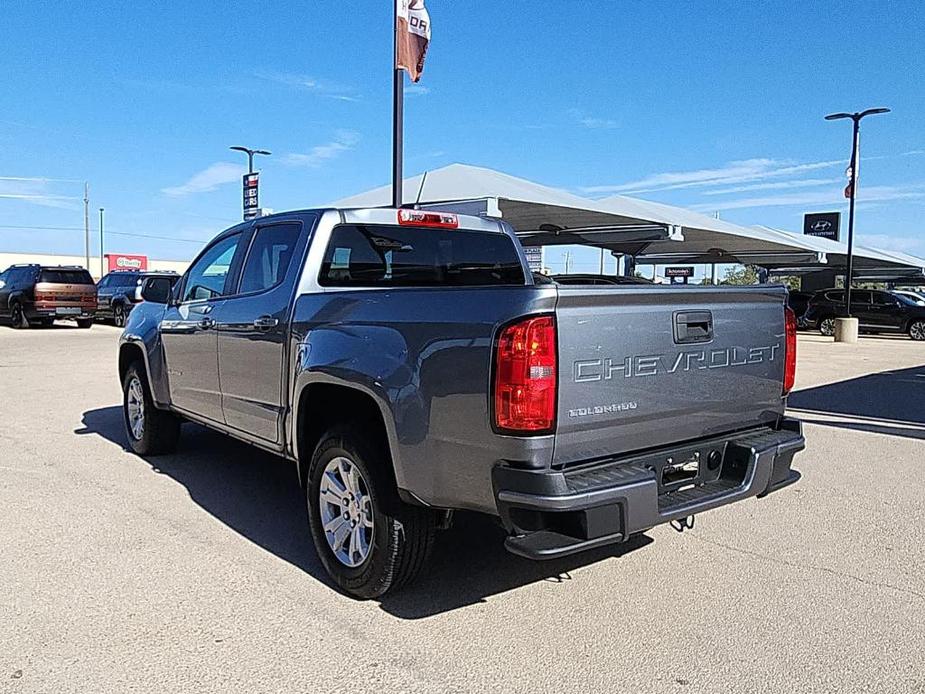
(852, 189)
(250, 155)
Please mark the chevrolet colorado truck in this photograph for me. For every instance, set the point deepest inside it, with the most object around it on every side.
(409, 365)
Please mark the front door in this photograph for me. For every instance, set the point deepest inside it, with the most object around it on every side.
(886, 312)
(187, 334)
(252, 328)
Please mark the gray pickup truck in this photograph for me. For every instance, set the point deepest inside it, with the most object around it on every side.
(410, 365)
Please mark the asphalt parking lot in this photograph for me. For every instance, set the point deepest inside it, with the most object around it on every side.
(195, 572)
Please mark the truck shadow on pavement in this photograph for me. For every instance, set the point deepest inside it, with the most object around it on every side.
(889, 402)
(258, 495)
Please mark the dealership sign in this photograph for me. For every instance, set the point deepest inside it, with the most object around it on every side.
(823, 224)
(121, 261)
(251, 204)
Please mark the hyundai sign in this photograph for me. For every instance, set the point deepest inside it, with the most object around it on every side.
(823, 224)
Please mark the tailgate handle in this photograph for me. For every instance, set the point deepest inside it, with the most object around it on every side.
(693, 326)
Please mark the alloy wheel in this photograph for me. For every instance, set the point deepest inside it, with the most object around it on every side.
(135, 409)
(917, 330)
(346, 510)
(827, 327)
(118, 317)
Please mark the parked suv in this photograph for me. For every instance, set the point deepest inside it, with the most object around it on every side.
(120, 290)
(37, 295)
(876, 311)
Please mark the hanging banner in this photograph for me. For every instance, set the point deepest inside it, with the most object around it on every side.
(412, 36)
(251, 201)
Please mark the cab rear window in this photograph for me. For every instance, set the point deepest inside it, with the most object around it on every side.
(66, 277)
(366, 255)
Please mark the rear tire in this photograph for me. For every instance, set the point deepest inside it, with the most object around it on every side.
(84, 323)
(149, 431)
(18, 317)
(118, 316)
(391, 552)
(827, 326)
(917, 330)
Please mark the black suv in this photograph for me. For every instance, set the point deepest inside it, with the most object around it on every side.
(120, 290)
(38, 295)
(876, 311)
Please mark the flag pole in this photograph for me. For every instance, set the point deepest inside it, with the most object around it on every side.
(398, 97)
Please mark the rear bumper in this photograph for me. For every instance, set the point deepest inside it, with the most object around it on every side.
(51, 311)
(551, 513)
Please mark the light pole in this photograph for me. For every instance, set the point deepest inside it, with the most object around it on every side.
(852, 189)
(250, 155)
(101, 244)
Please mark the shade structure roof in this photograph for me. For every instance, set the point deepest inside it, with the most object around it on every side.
(542, 215)
(869, 263)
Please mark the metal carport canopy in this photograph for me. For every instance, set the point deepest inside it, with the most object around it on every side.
(542, 215)
(869, 263)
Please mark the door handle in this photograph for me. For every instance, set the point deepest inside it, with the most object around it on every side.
(265, 322)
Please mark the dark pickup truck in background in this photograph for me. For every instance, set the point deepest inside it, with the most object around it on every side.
(409, 365)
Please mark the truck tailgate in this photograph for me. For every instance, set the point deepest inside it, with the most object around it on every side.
(642, 367)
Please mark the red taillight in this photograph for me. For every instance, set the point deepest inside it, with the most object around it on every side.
(790, 349)
(525, 376)
(417, 218)
(41, 297)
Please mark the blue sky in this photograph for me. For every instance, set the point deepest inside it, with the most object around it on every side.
(712, 105)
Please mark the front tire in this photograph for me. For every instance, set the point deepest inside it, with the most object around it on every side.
(369, 541)
(149, 431)
(917, 330)
(118, 316)
(84, 323)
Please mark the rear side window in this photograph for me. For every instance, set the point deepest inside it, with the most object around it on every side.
(390, 256)
(269, 257)
(66, 277)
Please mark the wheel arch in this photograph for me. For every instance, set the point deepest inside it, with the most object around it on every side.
(322, 405)
(129, 353)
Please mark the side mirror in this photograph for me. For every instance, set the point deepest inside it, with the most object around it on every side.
(156, 290)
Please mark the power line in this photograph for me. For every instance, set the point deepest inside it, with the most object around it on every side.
(117, 233)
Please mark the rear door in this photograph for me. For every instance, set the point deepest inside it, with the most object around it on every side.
(641, 367)
(886, 311)
(187, 334)
(861, 307)
(252, 327)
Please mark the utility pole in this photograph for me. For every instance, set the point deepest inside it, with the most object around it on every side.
(101, 244)
(87, 223)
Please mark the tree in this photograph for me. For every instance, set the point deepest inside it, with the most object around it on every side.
(741, 274)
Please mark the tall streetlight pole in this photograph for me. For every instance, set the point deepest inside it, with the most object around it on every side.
(101, 244)
(852, 189)
(250, 155)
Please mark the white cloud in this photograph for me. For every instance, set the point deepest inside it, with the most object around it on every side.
(417, 90)
(37, 191)
(913, 191)
(324, 88)
(208, 179)
(592, 122)
(733, 172)
(777, 185)
(343, 141)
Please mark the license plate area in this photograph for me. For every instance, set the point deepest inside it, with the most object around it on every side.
(67, 311)
(679, 471)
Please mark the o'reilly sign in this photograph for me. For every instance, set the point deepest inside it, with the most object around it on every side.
(824, 224)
